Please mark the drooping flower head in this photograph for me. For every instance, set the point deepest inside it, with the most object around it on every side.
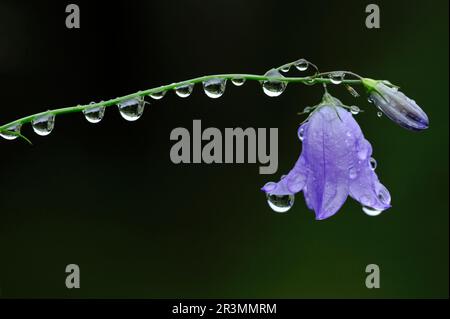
(335, 162)
(396, 105)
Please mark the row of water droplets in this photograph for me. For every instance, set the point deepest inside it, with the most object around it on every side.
(132, 109)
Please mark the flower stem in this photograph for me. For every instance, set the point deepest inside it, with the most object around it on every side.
(314, 79)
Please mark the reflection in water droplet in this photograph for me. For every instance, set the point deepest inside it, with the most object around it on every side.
(354, 109)
(371, 211)
(373, 163)
(301, 65)
(158, 95)
(280, 203)
(95, 114)
(11, 132)
(184, 90)
(214, 88)
(132, 109)
(238, 81)
(43, 125)
(273, 88)
(336, 77)
(352, 173)
(379, 114)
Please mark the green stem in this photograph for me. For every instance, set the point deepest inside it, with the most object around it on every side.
(79, 108)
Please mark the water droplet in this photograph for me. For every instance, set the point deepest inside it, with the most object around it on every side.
(158, 95)
(301, 133)
(285, 69)
(307, 109)
(95, 114)
(280, 203)
(379, 114)
(43, 125)
(184, 90)
(352, 173)
(131, 109)
(371, 211)
(336, 77)
(238, 81)
(369, 99)
(12, 132)
(214, 88)
(373, 163)
(301, 65)
(310, 81)
(273, 88)
(354, 109)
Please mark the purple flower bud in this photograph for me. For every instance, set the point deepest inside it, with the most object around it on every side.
(397, 106)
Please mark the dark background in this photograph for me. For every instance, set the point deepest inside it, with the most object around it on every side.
(108, 198)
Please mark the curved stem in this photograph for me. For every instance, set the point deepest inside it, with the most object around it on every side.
(317, 78)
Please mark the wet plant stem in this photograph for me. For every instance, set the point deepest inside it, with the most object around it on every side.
(309, 80)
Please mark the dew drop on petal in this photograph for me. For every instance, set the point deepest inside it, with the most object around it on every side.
(184, 90)
(371, 211)
(95, 114)
(280, 203)
(354, 109)
(11, 132)
(238, 81)
(214, 88)
(43, 125)
(132, 109)
(352, 173)
(301, 133)
(373, 163)
(158, 95)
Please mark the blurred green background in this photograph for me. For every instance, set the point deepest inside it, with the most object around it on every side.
(108, 198)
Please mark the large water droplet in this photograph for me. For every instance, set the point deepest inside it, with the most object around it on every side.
(354, 109)
(273, 88)
(214, 88)
(352, 173)
(43, 125)
(238, 81)
(132, 109)
(184, 90)
(336, 77)
(95, 114)
(371, 211)
(12, 132)
(158, 95)
(280, 203)
(301, 65)
(373, 163)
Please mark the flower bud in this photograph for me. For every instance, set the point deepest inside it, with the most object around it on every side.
(396, 105)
